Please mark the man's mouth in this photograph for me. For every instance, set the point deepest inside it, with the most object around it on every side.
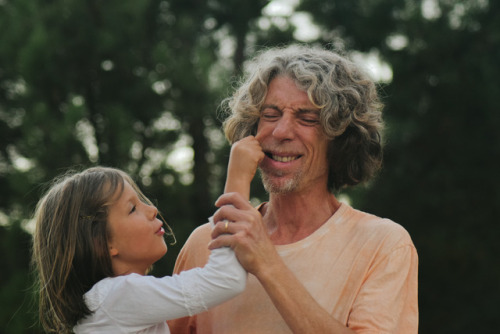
(283, 158)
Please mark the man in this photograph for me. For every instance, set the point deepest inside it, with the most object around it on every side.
(316, 265)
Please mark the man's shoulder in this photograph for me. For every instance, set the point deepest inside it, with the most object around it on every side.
(375, 227)
(195, 251)
(202, 231)
(200, 237)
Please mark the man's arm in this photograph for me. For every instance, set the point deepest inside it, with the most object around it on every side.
(298, 308)
(258, 256)
(385, 303)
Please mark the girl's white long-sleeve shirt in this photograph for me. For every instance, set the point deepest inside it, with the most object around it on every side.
(142, 304)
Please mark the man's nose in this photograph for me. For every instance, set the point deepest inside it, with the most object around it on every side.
(284, 128)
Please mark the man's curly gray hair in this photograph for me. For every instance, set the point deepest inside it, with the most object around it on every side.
(350, 109)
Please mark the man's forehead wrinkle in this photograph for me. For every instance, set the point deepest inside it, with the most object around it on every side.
(308, 111)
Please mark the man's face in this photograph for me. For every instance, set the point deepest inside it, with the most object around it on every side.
(291, 136)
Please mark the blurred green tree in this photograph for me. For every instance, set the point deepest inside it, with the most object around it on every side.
(136, 85)
(443, 143)
(128, 84)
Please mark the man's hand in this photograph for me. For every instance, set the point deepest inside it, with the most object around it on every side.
(247, 234)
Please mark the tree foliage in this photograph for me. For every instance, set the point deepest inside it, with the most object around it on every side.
(128, 84)
(442, 143)
(136, 85)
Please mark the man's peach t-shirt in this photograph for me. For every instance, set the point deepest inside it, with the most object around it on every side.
(360, 268)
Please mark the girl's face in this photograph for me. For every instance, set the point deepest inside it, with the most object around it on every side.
(136, 234)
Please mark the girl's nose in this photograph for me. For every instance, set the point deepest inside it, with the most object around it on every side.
(153, 211)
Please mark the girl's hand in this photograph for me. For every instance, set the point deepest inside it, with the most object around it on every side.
(246, 154)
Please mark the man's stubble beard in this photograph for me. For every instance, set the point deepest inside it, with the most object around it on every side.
(273, 186)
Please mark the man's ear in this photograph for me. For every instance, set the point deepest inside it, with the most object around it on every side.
(254, 129)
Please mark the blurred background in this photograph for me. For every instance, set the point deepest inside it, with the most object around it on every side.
(137, 84)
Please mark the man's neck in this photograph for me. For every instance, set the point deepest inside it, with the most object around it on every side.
(292, 217)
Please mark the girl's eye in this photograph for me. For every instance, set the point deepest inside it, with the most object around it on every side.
(133, 209)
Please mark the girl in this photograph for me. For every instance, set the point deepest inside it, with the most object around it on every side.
(96, 238)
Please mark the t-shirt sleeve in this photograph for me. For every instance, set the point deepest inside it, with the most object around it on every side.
(221, 279)
(387, 300)
(140, 300)
(192, 255)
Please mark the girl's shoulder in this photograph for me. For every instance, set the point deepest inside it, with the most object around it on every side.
(100, 291)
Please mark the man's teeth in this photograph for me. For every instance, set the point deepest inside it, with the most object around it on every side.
(283, 159)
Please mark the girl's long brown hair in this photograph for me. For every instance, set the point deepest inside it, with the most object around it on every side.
(70, 249)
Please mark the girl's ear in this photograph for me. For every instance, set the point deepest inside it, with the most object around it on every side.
(112, 251)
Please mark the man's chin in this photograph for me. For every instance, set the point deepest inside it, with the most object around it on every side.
(279, 185)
